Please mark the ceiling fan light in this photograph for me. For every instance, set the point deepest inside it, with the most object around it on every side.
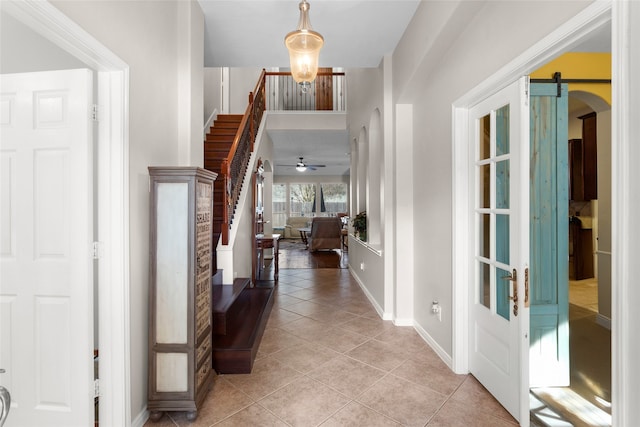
(301, 167)
(304, 46)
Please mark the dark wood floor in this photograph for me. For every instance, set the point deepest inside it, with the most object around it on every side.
(293, 254)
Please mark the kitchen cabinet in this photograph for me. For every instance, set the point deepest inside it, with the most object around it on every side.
(583, 162)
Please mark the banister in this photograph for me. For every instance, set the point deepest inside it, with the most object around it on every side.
(235, 164)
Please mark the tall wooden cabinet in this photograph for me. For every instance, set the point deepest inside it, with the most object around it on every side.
(180, 271)
(583, 161)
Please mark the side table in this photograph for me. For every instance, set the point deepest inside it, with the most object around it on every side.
(304, 235)
(267, 241)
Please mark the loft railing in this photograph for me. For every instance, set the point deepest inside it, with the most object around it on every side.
(326, 93)
(274, 91)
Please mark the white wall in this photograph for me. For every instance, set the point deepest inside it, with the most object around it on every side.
(447, 50)
(241, 82)
(404, 231)
(146, 36)
(366, 100)
(367, 266)
(242, 264)
(212, 91)
(309, 179)
(190, 21)
(32, 53)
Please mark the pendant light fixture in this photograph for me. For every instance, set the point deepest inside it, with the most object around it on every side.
(304, 46)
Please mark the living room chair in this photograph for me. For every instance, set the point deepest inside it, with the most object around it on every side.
(326, 233)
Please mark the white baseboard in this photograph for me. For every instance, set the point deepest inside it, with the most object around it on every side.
(372, 300)
(142, 418)
(603, 321)
(403, 322)
(446, 358)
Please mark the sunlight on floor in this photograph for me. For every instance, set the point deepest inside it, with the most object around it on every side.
(583, 404)
(576, 410)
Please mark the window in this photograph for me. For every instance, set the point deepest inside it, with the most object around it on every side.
(311, 199)
(279, 210)
(333, 199)
(302, 197)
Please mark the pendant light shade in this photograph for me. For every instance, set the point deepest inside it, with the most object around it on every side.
(304, 46)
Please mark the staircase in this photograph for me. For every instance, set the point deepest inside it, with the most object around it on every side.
(240, 310)
(217, 144)
(240, 314)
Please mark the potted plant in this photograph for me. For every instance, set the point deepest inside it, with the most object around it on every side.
(360, 225)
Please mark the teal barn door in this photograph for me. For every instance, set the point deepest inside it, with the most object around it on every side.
(549, 236)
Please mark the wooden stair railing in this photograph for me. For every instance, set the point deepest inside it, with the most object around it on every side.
(229, 157)
(217, 144)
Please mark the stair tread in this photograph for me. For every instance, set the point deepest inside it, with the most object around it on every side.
(230, 130)
(219, 140)
(229, 117)
(244, 329)
(225, 295)
(225, 123)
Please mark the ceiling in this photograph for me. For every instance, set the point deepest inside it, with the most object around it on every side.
(324, 147)
(250, 33)
(357, 33)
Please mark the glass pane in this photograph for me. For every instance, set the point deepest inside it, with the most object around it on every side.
(502, 131)
(484, 236)
(502, 293)
(484, 183)
(502, 238)
(502, 184)
(484, 138)
(333, 199)
(279, 205)
(484, 283)
(303, 197)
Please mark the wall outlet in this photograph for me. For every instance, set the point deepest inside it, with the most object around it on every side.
(362, 266)
(436, 309)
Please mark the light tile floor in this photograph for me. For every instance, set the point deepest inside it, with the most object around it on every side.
(584, 293)
(327, 359)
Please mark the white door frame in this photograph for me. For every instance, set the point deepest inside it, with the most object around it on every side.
(592, 18)
(113, 197)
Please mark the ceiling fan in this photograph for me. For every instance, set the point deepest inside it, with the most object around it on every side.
(301, 166)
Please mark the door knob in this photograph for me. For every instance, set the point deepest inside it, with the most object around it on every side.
(5, 400)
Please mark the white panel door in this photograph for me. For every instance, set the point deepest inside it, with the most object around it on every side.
(499, 318)
(46, 222)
